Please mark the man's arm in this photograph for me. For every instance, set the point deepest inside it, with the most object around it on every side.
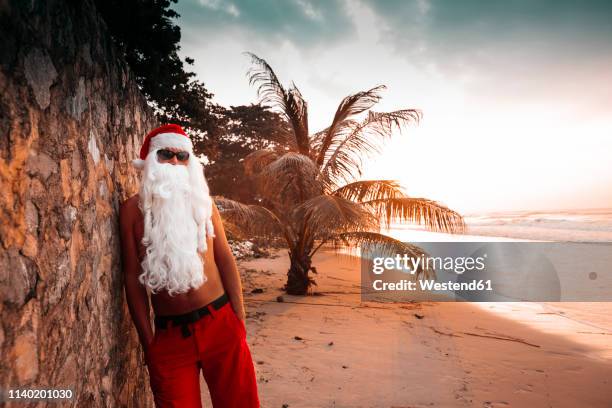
(135, 293)
(227, 265)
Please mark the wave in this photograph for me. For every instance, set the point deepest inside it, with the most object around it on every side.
(585, 225)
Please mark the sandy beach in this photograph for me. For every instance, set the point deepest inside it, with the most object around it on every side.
(332, 350)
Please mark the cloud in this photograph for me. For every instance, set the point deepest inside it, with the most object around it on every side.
(522, 50)
(303, 22)
(224, 6)
(309, 10)
(497, 81)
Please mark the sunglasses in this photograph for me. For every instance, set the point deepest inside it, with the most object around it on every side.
(169, 154)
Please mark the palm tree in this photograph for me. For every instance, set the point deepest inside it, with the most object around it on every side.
(310, 195)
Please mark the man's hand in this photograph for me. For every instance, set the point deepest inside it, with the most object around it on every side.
(239, 310)
(241, 316)
(147, 344)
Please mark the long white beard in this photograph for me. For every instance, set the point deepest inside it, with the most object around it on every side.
(177, 209)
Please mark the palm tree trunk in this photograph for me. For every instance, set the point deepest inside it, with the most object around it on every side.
(298, 280)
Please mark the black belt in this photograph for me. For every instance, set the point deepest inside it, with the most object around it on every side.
(184, 319)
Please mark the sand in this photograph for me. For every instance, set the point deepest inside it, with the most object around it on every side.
(353, 354)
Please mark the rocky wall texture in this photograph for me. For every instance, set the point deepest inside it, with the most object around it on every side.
(71, 120)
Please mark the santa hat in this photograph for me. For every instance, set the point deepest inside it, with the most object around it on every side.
(169, 135)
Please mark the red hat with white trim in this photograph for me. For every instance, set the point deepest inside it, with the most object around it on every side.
(169, 135)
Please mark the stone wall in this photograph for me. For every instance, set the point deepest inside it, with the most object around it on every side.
(71, 120)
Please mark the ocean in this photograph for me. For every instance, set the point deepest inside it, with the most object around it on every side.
(586, 225)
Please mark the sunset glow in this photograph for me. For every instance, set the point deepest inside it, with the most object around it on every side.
(515, 97)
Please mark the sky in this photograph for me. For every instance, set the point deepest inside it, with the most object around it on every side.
(516, 95)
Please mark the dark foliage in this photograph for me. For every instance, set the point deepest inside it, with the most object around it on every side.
(247, 128)
(147, 36)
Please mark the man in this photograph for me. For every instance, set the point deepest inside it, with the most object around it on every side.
(174, 246)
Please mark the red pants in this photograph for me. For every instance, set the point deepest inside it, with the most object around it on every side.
(218, 346)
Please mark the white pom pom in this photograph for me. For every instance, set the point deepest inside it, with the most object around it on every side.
(138, 163)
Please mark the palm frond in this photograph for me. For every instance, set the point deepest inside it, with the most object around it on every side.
(269, 89)
(380, 244)
(233, 231)
(298, 115)
(256, 161)
(289, 102)
(364, 190)
(249, 219)
(363, 140)
(350, 106)
(329, 214)
(341, 131)
(292, 177)
(433, 215)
